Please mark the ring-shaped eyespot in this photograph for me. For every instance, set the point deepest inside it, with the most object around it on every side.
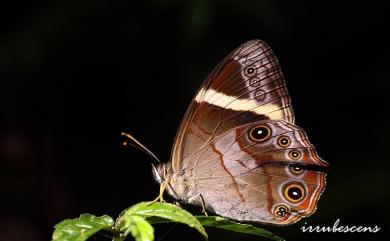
(296, 169)
(294, 192)
(260, 94)
(281, 211)
(284, 141)
(254, 82)
(295, 154)
(250, 71)
(260, 133)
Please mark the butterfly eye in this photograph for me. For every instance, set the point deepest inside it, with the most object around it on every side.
(260, 133)
(250, 71)
(284, 141)
(296, 169)
(294, 193)
(294, 154)
(281, 211)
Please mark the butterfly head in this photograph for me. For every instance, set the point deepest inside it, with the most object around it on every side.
(159, 172)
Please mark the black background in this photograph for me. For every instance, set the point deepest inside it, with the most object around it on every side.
(75, 74)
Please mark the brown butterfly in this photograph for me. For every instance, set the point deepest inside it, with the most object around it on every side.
(238, 152)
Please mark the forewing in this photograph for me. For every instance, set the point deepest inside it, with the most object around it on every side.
(247, 86)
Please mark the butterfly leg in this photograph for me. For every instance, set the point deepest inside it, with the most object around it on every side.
(201, 201)
(160, 197)
(203, 206)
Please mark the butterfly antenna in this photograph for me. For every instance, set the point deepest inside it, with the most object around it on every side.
(136, 144)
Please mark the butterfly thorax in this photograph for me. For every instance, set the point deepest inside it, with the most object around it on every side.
(181, 185)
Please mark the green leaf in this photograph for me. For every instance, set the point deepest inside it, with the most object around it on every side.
(159, 212)
(80, 229)
(139, 228)
(223, 223)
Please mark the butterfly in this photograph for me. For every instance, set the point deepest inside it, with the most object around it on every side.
(238, 152)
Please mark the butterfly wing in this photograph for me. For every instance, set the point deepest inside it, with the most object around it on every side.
(239, 148)
(277, 179)
(245, 87)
